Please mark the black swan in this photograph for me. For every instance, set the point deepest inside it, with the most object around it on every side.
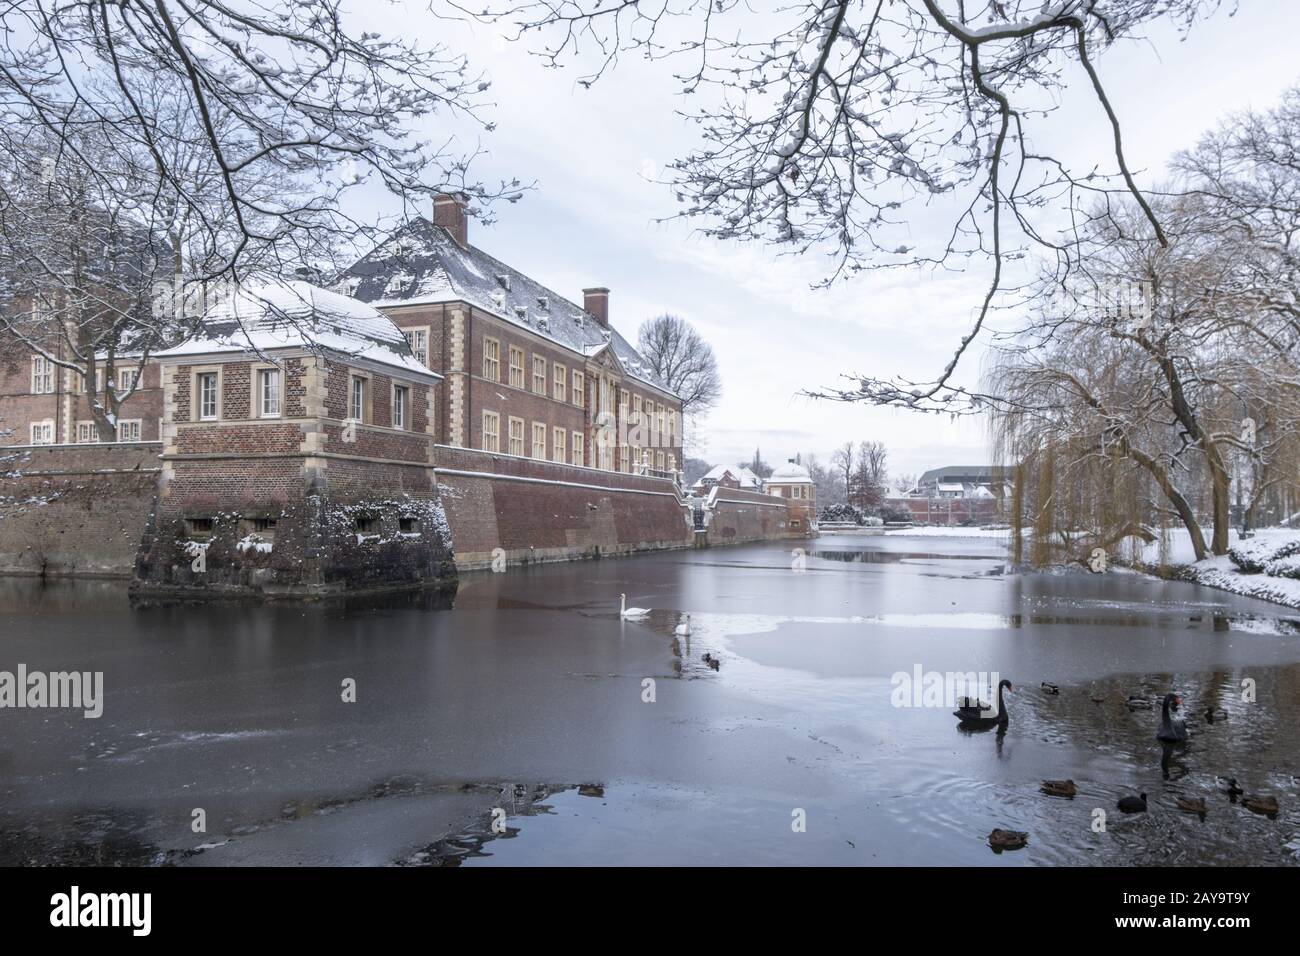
(1172, 727)
(1133, 804)
(977, 715)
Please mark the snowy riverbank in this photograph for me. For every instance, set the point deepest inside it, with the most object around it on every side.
(1266, 565)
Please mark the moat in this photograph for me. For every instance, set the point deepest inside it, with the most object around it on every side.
(528, 694)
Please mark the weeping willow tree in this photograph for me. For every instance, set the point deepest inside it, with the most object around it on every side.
(1082, 413)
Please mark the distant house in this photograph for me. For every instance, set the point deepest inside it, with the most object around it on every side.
(961, 481)
(727, 477)
(793, 481)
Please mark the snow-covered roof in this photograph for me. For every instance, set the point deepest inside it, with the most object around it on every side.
(748, 479)
(716, 473)
(421, 263)
(981, 492)
(281, 314)
(951, 486)
(790, 474)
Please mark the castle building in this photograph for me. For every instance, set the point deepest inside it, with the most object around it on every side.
(527, 372)
(297, 456)
(793, 482)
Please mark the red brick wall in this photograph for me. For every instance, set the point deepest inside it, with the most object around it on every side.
(750, 516)
(948, 511)
(563, 512)
(75, 510)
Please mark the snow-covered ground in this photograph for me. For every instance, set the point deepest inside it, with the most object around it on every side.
(941, 532)
(1264, 565)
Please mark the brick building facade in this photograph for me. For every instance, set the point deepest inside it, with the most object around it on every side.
(526, 372)
(297, 454)
(44, 403)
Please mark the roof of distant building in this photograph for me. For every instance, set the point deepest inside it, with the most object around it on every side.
(955, 472)
(277, 315)
(422, 263)
(791, 473)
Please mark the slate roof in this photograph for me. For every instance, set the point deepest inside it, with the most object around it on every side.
(421, 263)
(283, 314)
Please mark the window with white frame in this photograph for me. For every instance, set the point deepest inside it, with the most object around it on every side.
(42, 376)
(539, 375)
(672, 462)
(491, 431)
(578, 388)
(561, 393)
(207, 388)
(128, 429)
(401, 405)
(418, 339)
(659, 461)
(558, 443)
(357, 399)
(126, 379)
(578, 458)
(636, 409)
(539, 440)
(268, 392)
(516, 437)
(491, 359)
(43, 432)
(516, 367)
(87, 433)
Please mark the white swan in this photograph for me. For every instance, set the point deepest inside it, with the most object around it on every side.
(684, 629)
(625, 611)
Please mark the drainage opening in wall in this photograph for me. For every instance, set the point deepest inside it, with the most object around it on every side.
(198, 529)
(408, 525)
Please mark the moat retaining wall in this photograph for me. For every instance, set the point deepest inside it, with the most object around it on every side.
(534, 510)
(75, 509)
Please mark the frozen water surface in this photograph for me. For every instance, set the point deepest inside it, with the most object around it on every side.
(527, 696)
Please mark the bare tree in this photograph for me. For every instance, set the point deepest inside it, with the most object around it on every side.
(870, 475)
(905, 483)
(277, 90)
(842, 463)
(826, 123)
(685, 362)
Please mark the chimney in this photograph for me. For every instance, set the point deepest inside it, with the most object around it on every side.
(449, 212)
(596, 301)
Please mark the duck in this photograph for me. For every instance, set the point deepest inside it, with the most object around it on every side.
(625, 611)
(1231, 788)
(1136, 804)
(978, 715)
(684, 628)
(1263, 805)
(1097, 699)
(1191, 804)
(1001, 840)
(1050, 688)
(1138, 703)
(1059, 788)
(711, 660)
(1172, 729)
(1215, 713)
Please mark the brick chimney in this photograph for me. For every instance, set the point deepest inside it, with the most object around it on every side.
(596, 301)
(449, 212)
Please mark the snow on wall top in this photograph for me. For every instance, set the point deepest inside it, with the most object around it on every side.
(421, 263)
(285, 314)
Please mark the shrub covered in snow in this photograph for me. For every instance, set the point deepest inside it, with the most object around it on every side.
(1254, 555)
(842, 512)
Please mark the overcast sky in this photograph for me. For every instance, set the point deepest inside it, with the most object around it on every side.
(591, 221)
